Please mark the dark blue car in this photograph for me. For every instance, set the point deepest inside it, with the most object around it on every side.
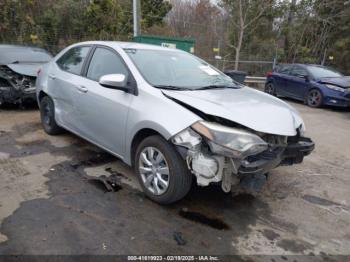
(314, 84)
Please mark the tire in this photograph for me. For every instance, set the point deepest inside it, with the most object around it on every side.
(47, 113)
(152, 177)
(314, 98)
(270, 89)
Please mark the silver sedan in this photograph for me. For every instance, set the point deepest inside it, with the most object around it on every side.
(171, 116)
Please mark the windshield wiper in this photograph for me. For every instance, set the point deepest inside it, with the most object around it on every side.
(179, 88)
(170, 87)
(216, 86)
(28, 62)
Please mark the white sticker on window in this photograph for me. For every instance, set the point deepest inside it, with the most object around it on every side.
(210, 71)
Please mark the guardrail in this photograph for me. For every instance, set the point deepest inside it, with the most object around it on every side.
(255, 79)
(256, 82)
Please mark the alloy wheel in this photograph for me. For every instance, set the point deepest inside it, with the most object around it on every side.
(154, 170)
(314, 98)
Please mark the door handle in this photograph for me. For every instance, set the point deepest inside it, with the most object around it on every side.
(82, 89)
(53, 77)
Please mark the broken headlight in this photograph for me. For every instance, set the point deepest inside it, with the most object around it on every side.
(228, 141)
(187, 138)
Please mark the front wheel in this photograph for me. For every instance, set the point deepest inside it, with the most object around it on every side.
(162, 173)
(314, 98)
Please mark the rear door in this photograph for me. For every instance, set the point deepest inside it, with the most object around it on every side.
(281, 75)
(103, 111)
(298, 84)
(63, 78)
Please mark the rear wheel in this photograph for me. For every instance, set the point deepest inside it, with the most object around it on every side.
(314, 98)
(47, 113)
(162, 173)
(270, 89)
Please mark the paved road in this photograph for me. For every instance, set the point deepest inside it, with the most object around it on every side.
(53, 200)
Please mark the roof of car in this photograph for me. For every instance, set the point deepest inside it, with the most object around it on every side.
(286, 64)
(124, 45)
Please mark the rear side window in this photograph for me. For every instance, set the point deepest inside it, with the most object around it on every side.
(72, 61)
(283, 69)
(105, 62)
(298, 71)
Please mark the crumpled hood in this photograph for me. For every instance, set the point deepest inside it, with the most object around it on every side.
(28, 69)
(339, 81)
(248, 107)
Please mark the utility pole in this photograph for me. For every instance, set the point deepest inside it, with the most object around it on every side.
(136, 15)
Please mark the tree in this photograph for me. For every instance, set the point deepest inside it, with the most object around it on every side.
(201, 20)
(338, 44)
(55, 24)
(310, 29)
(104, 19)
(245, 15)
(153, 12)
(288, 27)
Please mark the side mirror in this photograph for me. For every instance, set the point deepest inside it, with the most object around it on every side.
(114, 81)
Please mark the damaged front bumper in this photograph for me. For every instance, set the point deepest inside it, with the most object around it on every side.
(253, 171)
(244, 172)
(15, 88)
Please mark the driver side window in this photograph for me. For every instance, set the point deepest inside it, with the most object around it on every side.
(105, 62)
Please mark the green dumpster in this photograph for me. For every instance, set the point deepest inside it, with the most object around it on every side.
(186, 44)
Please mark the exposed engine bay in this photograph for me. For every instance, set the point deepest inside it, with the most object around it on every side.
(238, 158)
(14, 87)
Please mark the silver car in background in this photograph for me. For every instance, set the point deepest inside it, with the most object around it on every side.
(171, 116)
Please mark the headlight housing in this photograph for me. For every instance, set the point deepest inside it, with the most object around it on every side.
(187, 138)
(228, 141)
(334, 87)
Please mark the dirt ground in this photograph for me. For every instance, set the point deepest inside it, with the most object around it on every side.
(50, 203)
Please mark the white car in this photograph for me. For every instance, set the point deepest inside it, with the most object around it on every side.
(171, 115)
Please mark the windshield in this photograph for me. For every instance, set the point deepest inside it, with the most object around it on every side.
(319, 72)
(177, 70)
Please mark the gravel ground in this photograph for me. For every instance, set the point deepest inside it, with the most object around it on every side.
(53, 200)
